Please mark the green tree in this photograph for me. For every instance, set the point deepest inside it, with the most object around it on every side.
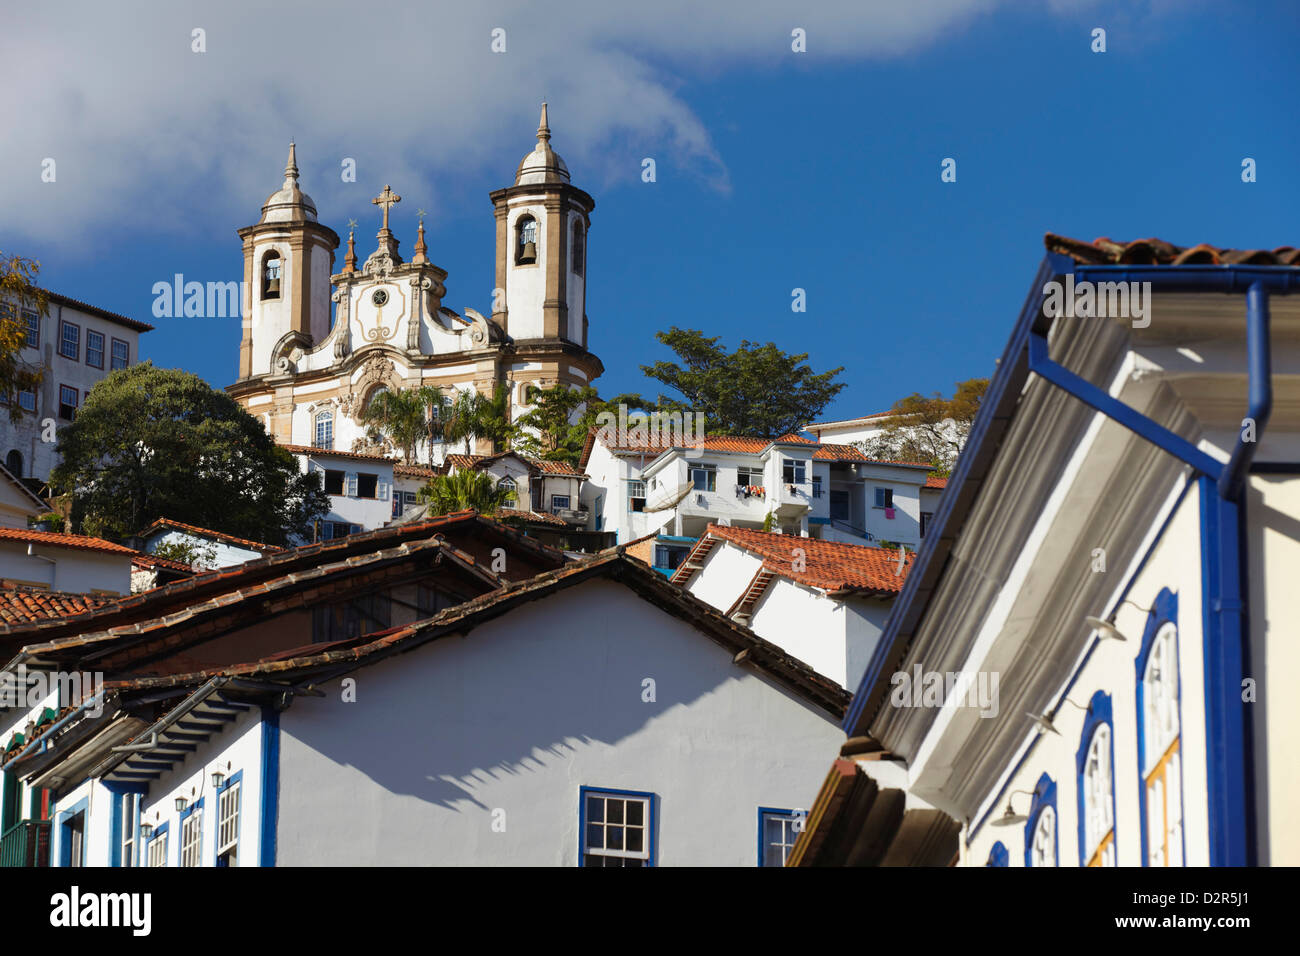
(161, 443)
(18, 291)
(756, 390)
(406, 417)
(199, 554)
(473, 415)
(555, 426)
(462, 490)
(932, 429)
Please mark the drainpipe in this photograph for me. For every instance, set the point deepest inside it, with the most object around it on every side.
(44, 738)
(54, 570)
(1260, 408)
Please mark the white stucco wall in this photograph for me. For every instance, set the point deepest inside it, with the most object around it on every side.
(224, 555)
(72, 569)
(519, 716)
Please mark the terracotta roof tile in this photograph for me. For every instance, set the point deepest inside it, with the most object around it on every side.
(1106, 251)
(413, 471)
(33, 604)
(55, 539)
(537, 517)
(828, 565)
(163, 523)
(354, 455)
(934, 481)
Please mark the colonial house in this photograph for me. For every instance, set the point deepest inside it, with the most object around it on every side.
(232, 731)
(19, 505)
(790, 484)
(318, 345)
(214, 549)
(63, 562)
(77, 345)
(1116, 563)
(825, 602)
(360, 488)
(846, 431)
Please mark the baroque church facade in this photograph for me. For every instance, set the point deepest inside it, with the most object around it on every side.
(318, 345)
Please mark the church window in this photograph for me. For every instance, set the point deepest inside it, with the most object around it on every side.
(271, 276)
(121, 355)
(1041, 838)
(70, 340)
(14, 462)
(1162, 760)
(579, 249)
(1098, 819)
(94, 348)
(526, 247)
(324, 437)
(380, 297)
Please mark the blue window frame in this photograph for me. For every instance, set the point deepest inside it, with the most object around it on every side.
(1095, 775)
(777, 831)
(72, 834)
(230, 815)
(1042, 836)
(158, 839)
(616, 827)
(70, 340)
(998, 855)
(1159, 722)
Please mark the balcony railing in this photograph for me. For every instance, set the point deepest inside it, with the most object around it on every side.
(26, 843)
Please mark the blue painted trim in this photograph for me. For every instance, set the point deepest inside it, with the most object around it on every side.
(652, 826)
(158, 831)
(189, 811)
(230, 781)
(1044, 797)
(1128, 587)
(1099, 715)
(1228, 765)
(1117, 411)
(1164, 610)
(677, 538)
(64, 855)
(999, 856)
(268, 818)
(763, 814)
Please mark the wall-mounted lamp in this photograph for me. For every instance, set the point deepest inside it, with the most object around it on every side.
(1009, 816)
(146, 830)
(1047, 722)
(218, 778)
(180, 804)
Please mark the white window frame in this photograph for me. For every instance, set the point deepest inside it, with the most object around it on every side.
(228, 810)
(157, 849)
(1043, 847)
(604, 824)
(192, 837)
(1098, 809)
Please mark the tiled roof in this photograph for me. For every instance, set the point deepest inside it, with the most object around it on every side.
(33, 604)
(166, 523)
(334, 453)
(413, 471)
(96, 311)
(54, 539)
(462, 461)
(531, 516)
(849, 421)
(934, 481)
(1105, 251)
(829, 451)
(828, 565)
(148, 562)
(557, 468)
(537, 464)
(461, 619)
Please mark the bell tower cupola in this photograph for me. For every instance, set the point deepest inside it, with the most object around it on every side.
(288, 258)
(541, 249)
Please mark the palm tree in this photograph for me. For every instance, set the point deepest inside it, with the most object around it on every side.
(406, 417)
(462, 490)
(475, 415)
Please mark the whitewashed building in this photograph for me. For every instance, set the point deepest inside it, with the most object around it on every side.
(1116, 559)
(18, 503)
(213, 549)
(823, 601)
(593, 714)
(793, 485)
(77, 345)
(63, 562)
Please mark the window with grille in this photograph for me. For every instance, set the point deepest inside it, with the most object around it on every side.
(777, 833)
(70, 340)
(33, 322)
(121, 355)
(324, 430)
(507, 484)
(1162, 773)
(68, 399)
(228, 823)
(158, 847)
(617, 828)
(94, 348)
(1099, 818)
(635, 495)
(130, 809)
(1043, 846)
(192, 836)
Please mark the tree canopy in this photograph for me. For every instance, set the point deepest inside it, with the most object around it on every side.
(161, 443)
(461, 490)
(932, 429)
(756, 390)
(18, 292)
(406, 417)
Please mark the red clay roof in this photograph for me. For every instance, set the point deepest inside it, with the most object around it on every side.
(556, 468)
(162, 523)
(96, 311)
(413, 471)
(148, 562)
(354, 455)
(934, 481)
(54, 539)
(33, 604)
(828, 565)
(536, 517)
(1106, 251)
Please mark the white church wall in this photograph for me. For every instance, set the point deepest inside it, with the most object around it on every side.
(526, 284)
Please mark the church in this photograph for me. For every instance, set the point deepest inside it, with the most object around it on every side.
(318, 345)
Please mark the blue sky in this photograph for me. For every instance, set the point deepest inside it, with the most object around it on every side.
(775, 170)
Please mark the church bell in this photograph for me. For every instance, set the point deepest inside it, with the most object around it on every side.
(530, 252)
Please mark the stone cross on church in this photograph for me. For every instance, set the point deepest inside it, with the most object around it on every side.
(386, 199)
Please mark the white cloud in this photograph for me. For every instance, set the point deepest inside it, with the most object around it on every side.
(144, 131)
